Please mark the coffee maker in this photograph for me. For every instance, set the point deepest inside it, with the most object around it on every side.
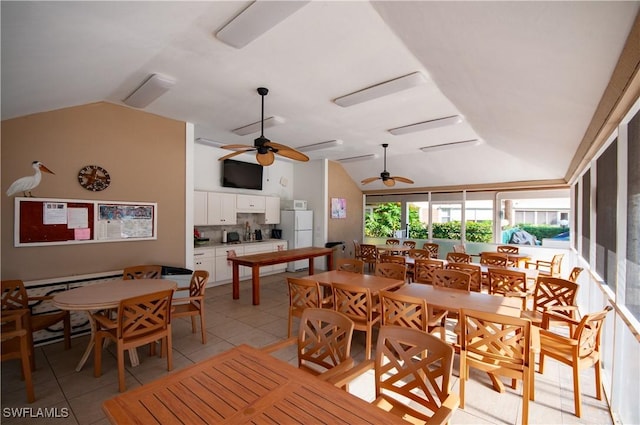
(276, 233)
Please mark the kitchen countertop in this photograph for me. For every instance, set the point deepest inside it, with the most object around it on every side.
(213, 244)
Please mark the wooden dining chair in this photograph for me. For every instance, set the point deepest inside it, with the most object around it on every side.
(501, 346)
(392, 242)
(552, 294)
(410, 244)
(392, 271)
(458, 257)
(494, 259)
(508, 249)
(303, 294)
(323, 342)
(357, 303)
(460, 248)
(418, 253)
(193, 304)
(142, 272)
(412, 374)
(433, 249)
(551, 268)
(475, 283)
(423, 270)
(580, 350)
(15, 344)
(369, 254)
(452, 279)
(350, 265)
(15, 297)
(574, 274)
(398, 259)
(509, 283)
(411, 312)
(141, 320)
(356, 250)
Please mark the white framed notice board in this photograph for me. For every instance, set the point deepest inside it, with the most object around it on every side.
(48, 221)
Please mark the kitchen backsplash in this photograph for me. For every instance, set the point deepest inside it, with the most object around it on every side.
(214, 233)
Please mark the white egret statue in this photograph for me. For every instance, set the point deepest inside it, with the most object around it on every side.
(28, 183)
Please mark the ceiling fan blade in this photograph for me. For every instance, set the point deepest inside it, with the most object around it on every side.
(369, 180)
(389, 182)
(287, 151)
(236, 147)
(232, 154)
(265, 159)
(402, 179)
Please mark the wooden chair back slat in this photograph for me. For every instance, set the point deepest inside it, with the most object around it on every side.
(453, 279)
(142, 272)
(353, 265)
(424, 269)
(474, 270)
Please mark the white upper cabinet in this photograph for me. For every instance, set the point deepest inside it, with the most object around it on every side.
(221, 208)
(272, 210)
(200, 208)
(250, 203)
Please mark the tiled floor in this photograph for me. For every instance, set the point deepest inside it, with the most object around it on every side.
(61, 391)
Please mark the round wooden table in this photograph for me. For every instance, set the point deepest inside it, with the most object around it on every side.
(106, 295)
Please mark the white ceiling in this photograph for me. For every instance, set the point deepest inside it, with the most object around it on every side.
(526, 76)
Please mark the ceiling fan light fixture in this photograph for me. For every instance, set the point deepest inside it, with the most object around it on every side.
(382, 89)
(359, 158)
(150, 89)
(255, 20)
(255, 127)
(426, 125)
(322, 145)
(452, 145)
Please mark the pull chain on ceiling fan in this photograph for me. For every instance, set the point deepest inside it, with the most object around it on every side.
(265, 148)
(385, 176)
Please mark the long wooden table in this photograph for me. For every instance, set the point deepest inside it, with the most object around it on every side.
(374, 283)
(241, 386)
(255, 261)
(455, 299)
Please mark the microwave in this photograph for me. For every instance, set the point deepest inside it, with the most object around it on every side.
(294, 204)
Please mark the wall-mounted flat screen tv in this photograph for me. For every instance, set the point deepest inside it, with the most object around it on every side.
(242, 175)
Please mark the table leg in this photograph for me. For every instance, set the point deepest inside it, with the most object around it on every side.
(92, 342)
(236, 281)
(255, 283)
(311, 271)
(329, 262)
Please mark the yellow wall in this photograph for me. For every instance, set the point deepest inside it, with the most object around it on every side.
(341, 185)
(143, 153)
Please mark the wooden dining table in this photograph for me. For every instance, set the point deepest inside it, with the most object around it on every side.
(455, 299)
(242, 386)
(399, 249)
(532, 274)
(107, 295)
(374, 283)
(255, 261)
(518, 259)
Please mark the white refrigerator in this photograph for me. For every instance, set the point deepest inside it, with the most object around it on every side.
(297, 230)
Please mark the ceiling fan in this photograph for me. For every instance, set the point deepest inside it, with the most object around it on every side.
(386, 178)
(265, 148)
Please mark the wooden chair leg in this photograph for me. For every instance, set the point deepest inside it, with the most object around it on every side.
(169, 345)
(25, 361)
(193, 324)
(203, 328)
(97, 356)
(576, 392)
(121, 384)
(67, 332)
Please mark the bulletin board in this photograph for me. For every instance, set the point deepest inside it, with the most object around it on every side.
(47, 221)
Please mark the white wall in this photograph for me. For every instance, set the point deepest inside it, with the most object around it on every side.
(311, 185)
(277, 178)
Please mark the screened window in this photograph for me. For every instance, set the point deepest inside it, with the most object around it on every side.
(606, 210)
(586, 214)
(632, 291)
(479, 221)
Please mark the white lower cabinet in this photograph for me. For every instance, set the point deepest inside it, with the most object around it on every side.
(204, 259)
(224, 268)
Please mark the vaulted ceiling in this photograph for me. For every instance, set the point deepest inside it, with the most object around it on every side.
(525, 77)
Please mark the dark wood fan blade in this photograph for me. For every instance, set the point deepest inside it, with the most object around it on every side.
(265, 159)
(402, 179)
(287, 151)
(369, 180)
(232, 154)
(390, 182)
(237, 147)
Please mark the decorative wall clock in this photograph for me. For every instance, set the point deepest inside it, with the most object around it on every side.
(94, 178)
